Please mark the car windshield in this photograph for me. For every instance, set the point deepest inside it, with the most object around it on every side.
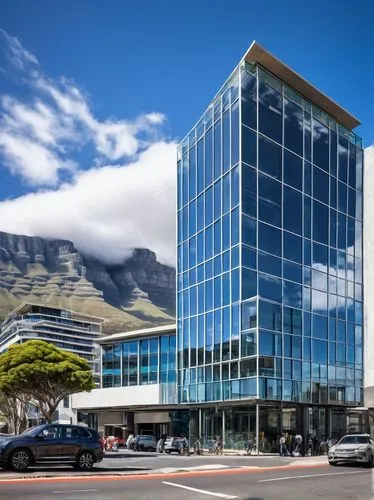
(355, 440)
(32, 431)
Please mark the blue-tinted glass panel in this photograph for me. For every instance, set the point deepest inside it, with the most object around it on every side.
(234, 227)
(200, 166)
(292, 247)
(343, 159)
(293, 127)
(226, 193)
(292, 210)
(226, 141)
(269, 287)
(270, 200)
(270, 316)
(235, 133)
(226, 232)
(320, 222)
(217, 150)
(249, 146)
(270, 112)
(249, 257)
(192, 173)
(249, 230)
(217, 199)
(234, 187)
(208, 206)
(293, 170)
(320, 185)
(269, 264)
(292, 272)
(292, 294)
(269, 239)
(249, 192)
(333, 153)
(249, 283)
(249, 97)
(270, 344)
(270, 157)
(209, 157)
(320, 145)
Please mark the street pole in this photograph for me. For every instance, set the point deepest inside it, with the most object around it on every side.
(258, 428)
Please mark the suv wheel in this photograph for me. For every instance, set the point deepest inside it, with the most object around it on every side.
(20, 460)
(85, 460)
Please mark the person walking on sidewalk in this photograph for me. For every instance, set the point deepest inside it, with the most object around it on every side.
(283, 451)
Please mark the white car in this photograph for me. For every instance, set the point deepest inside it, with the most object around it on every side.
(353, 448)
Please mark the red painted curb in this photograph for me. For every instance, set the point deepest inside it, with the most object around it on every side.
(132, 477)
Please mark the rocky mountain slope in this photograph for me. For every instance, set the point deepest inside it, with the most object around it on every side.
(136, 294)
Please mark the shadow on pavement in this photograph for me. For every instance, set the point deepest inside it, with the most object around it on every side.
(71, 471)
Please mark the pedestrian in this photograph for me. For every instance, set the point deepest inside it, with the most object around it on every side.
(197, 447)
(185, 447)
(219, 447)
(130, 441)
(249, 446)
(298, 445)
(282, 446)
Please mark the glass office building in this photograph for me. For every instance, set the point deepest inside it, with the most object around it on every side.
(269, 234)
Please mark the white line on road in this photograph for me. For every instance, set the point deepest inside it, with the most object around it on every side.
(61, 492)
(284, 478)
(220, 495)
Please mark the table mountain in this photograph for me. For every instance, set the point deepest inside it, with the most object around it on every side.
(138, 293)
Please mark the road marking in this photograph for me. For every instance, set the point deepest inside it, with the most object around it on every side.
(284, 478)
(219, 495)
(62, 492)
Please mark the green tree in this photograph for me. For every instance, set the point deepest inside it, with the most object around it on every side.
(15, 413)
(44, 374)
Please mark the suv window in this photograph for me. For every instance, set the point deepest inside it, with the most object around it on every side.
(84, 433)
(51, 432)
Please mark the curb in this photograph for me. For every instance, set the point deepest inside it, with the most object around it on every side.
(157, 474)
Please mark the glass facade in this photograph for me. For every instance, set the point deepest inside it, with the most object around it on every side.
(269, 233)
(139, 361)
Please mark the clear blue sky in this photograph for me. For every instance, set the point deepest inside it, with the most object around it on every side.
(171, 56)
(103, 66)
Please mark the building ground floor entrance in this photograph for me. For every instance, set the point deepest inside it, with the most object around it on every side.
(233, 425)
(260, 423)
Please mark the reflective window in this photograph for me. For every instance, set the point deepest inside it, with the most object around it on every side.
(192, 173)
(320, 185)
(293, 127)
(270, 316)
(249, 283)
(320, 145)
(269, 264)
(249, 192)
(320, 222)
(292, 294)
(292, 170)
(200, 166)
(270, 344)
(235, 134)
(269, 287)
(333, 153)
(292, 272)
(234, 187)
(217, 199)
(209, 157)
(235, 227)
(249, 146)
(292, 247)
(270, 112)
(249, 98)
(208, 206)
(249, 315)
(249, 347)
(249, 257)
(249, 230)
(292, 210)
(270, 157)
(226, 141)
(217, 150)
(343, 159)
(270, 200)
(292, 322)
(269, 239)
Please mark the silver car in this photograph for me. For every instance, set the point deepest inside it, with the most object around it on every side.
(353, 448)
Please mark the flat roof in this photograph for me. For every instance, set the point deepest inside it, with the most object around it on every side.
(138, 333)
(257, 54)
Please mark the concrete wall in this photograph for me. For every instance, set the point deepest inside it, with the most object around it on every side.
(118, 397)
(368, 239)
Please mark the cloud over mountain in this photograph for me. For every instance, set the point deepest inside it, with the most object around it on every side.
(122, 197)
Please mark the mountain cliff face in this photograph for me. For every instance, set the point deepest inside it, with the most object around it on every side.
(139, 293)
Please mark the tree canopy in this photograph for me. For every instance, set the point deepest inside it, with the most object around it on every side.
(41, 372)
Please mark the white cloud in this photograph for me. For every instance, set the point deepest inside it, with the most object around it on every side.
(57, 121)
(125, 200)
(107, 210)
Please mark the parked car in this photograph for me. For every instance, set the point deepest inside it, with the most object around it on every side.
(353, 448)
(173, 445)
(49, 443)
(145, 443)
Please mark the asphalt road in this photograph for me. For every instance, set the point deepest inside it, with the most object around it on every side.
(341, 483)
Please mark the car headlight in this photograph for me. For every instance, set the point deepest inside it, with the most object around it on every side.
(360, 448)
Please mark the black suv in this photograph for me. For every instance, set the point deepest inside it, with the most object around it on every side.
(52, 443)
